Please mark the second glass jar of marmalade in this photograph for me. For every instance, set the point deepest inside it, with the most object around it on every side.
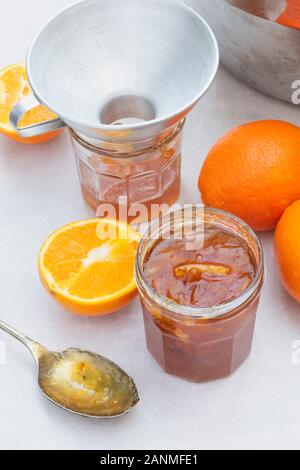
(200, 273)
(133, 175)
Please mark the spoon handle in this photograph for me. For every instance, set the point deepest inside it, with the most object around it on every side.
(35, 348)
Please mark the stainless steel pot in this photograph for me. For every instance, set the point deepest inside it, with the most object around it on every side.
(253, 47)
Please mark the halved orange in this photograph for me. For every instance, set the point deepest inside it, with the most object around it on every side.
(14, 86)
(88, 266)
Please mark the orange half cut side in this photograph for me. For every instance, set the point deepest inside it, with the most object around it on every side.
(14, 86)
(88, 266)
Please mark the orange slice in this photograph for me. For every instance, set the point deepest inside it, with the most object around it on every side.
(88, 266)
(291, 15)
(14, 86)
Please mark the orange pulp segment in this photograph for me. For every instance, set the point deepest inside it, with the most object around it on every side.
(88, 266)
(14, 86)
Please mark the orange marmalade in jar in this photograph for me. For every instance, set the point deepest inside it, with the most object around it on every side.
(137, 179)
(200, 273)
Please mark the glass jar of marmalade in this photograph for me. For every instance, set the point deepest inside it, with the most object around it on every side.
(199, 273)
(134, 178)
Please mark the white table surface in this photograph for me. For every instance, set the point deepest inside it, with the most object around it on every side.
(258, 407)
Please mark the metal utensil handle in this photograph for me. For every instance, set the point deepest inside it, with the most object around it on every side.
(35, 348)
(21, 108)
(16, 334)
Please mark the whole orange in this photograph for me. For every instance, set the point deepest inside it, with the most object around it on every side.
(254, 172)
(287, 249)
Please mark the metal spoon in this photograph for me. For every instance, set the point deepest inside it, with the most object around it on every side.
(81, 382)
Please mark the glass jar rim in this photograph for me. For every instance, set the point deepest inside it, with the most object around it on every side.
(213, 312)
(128, 149)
